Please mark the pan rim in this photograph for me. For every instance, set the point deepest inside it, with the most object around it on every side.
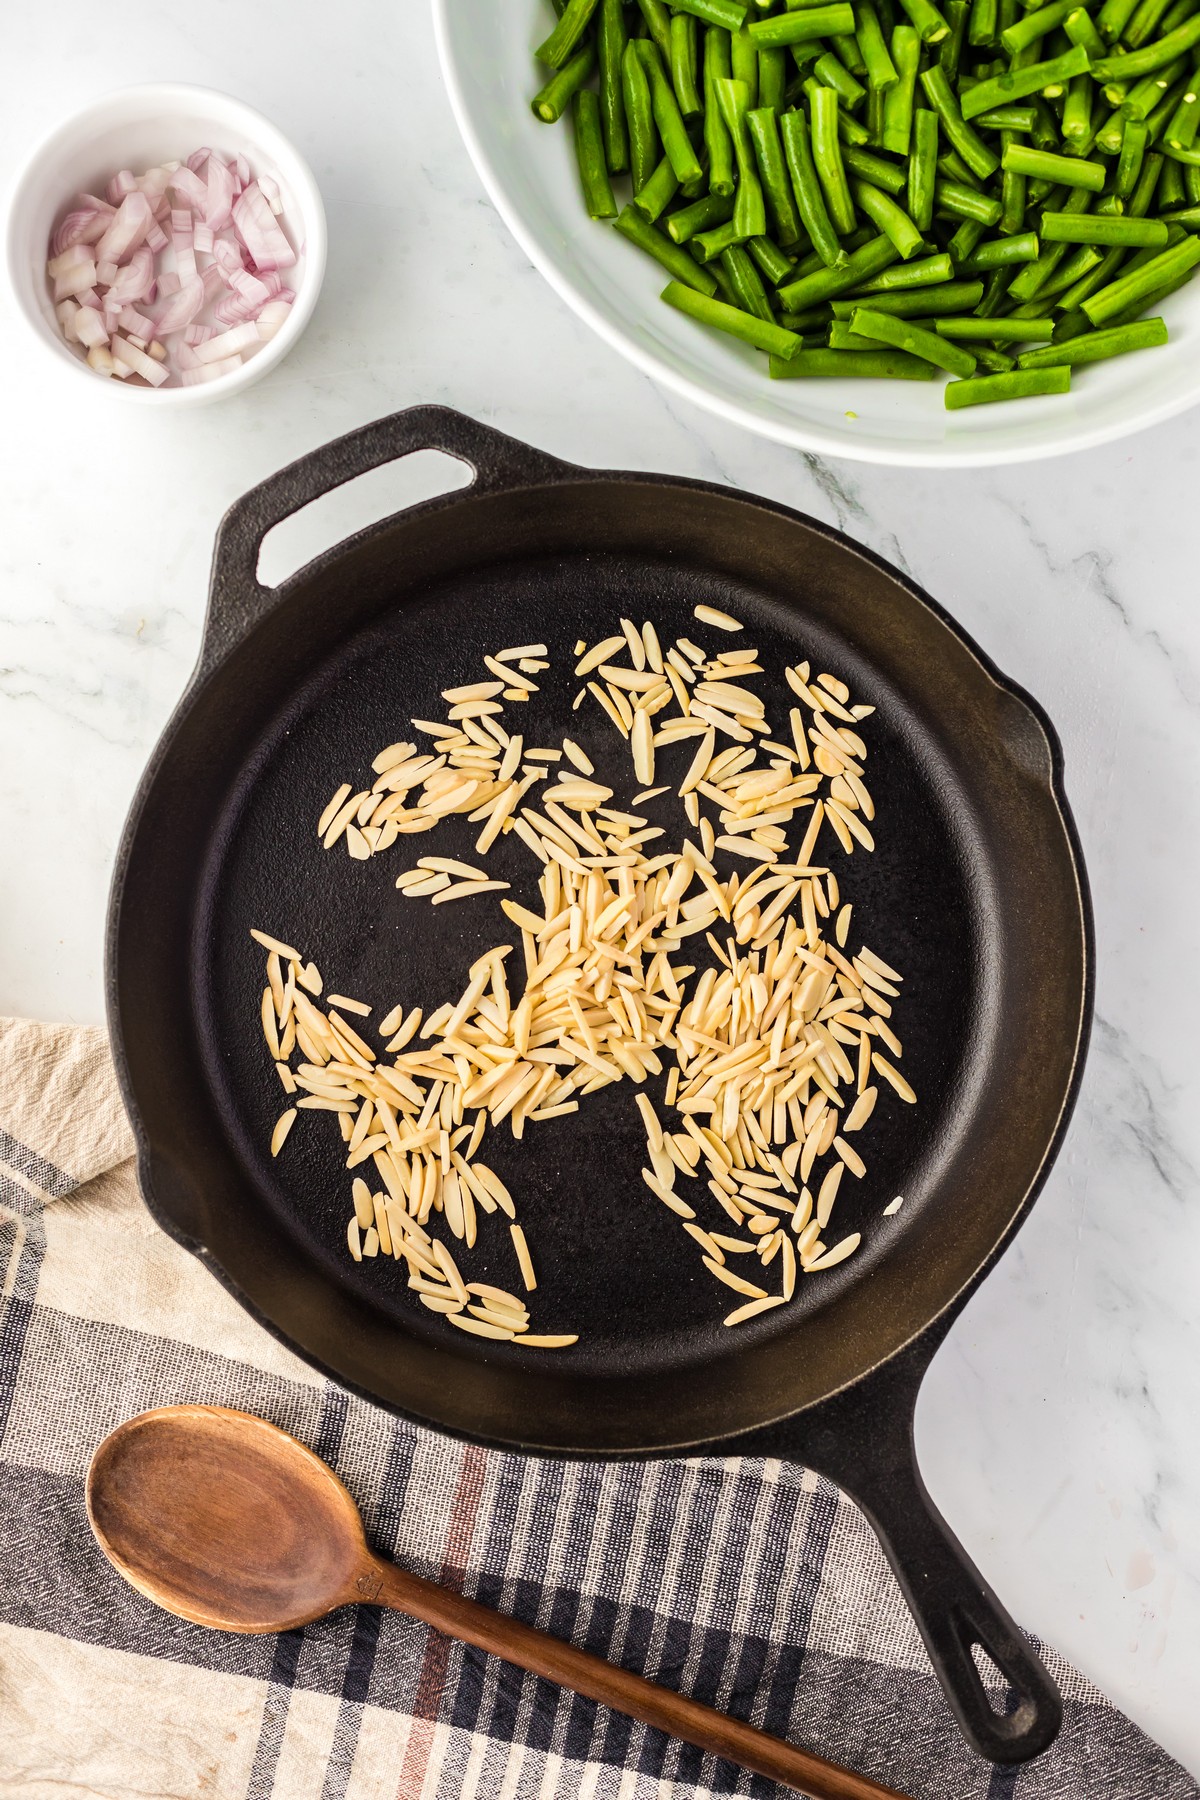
(209, 665)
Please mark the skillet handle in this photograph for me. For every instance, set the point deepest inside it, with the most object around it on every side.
(863, 1440)
(237, 599)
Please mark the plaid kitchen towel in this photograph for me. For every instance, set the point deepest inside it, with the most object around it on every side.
(755, 1586)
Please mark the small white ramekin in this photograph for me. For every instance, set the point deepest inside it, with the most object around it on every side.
(137, 129)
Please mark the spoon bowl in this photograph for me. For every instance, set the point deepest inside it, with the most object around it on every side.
(224, 1519)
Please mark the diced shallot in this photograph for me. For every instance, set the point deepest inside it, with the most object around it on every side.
(85, 226)
(210, 371)
(262, 236)
(126, 231)
(128, 289)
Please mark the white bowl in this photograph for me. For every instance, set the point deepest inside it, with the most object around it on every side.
(137, 129)
(529, 172)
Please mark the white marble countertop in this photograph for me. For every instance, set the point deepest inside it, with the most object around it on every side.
(1058, 1428)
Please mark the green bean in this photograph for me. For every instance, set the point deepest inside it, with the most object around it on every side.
(982, 27)
(1148, 303)
(1077, 127)
(1129, 163)
(589, 152)
(1127, 289)
(898, 100)
(963, 244)
(1113, 17)
(835, 74)
(654, 196)
(717, 142)
(846, 47)
(827, 154)
(951, 165)
(1080, 28)
(951, 48)
(1071, 301)
(810, 200)
(923, 273)
(611, 39)
(552, 101)
(875, 169)
(1184, 215)
(815, 319)
(1151, 56)
(801, 27)
(891, 219)
(841, 337)
(658, 24)
(994, 300)
(881, 70)
(639, 117)
(744, 63)
(724, 291)
(667, 116)
(775, 265)
(922, 168)
(929, 22)
(701, 215)
(749, 208)
(827, 284)
(849, 130)
(937, 301)
(630, 223)
(1018, 83)
(1018, 384)
(998, 253)
(1070, 170)
(902, 334)
(563, 41)
(728, 14)
(1034, 26)
(706, 246)
(1170, 186)
(683, 65)
(1071, 325)
(1144, 21)
(1181, 132)
(1009, 118)
(1191, 183)
(851, 365)
(746, 283)
(772, 170)
(1097, 346)
(772, 79)
(998, 331)
(967, 203)
(763, 334)
(981, 160)
(1089, 228)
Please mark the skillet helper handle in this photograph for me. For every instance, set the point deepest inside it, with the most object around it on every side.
(237, 599)
(869, 1450)
(383, 1584)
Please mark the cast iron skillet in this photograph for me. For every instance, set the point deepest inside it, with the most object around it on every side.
(976, 891)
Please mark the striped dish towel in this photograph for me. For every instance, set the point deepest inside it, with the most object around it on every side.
(754, 1586)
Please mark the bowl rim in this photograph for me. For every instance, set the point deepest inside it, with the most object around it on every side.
(150, 97)
(809, 438)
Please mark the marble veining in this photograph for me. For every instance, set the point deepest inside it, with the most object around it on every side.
(1058, 1424)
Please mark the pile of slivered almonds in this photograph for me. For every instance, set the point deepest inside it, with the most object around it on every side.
(774, 1049)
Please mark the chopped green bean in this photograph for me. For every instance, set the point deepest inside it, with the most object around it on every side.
(841, 337)
(825, 284)
(834, 73)
(891, 219)
(998, 253)
(936, 301)
(1016, 84)
(984, 23)
(810, 200)
(667, 116)
(589, 152)
(654, 196)
(774, 263)
(763, 334)
(639, 117)
(749, 207)
(772, 170)
(683, 65)
(1018, 384)
(746, 283)
(996, 331)
(875, 169)
(1033, 27)
(552, 101)
(630, 223)
(922, 168)
(827, 154)
(979, 158)
(701, 215)
(898, 100)
(851, 365)
(929, 22)
(1070, 170)
(923, 273)
(968, 203)
(1093, 228)
(1127, 289)
(658, 24)
(801, 27)
(881, 70)
(718, 144)
(611, 39)
(1097, 346)
(902, 334)
(772, 79)
(563, 41)
(729, 14)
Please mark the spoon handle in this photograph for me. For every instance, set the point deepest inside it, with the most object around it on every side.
(560, 1662)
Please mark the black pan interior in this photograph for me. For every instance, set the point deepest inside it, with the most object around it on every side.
(971, 892)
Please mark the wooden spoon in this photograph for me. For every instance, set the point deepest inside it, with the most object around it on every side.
(226, 1520)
